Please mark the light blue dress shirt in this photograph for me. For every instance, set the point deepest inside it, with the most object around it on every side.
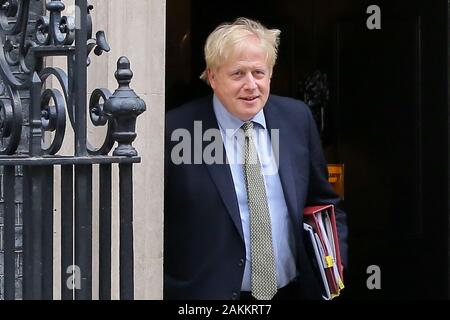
(282, 229)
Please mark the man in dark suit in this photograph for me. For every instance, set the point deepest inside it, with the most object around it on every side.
(240, 167)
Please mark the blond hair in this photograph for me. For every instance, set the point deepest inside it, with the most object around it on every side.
(228, 38)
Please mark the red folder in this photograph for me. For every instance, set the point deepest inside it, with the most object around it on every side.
(323, 221)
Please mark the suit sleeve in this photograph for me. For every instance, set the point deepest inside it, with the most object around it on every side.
(320, 190)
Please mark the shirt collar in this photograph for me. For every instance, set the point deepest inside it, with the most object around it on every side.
(231, 124)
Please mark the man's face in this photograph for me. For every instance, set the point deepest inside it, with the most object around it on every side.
(242, 82)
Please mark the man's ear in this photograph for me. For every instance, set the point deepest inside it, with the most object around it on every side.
(211, 78)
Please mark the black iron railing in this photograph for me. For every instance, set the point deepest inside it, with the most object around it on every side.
(27, 111)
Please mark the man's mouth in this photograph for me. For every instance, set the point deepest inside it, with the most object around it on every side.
(252, 98)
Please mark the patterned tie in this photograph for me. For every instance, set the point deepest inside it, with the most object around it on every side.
(264, 279)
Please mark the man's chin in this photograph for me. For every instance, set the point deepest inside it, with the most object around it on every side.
(248, 115)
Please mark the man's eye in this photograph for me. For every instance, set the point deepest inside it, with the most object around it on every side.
(259, 73)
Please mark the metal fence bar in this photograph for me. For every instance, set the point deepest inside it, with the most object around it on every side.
(81, 78)
(32, 204)
(126, 232)
(9, 232)
(35, 117)
(47, 232)
(27, 239)
(33, 229)
(105, 232)
(83, 230)
(37, 177)
(66, 230)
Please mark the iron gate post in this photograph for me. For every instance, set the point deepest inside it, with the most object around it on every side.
(29, 111)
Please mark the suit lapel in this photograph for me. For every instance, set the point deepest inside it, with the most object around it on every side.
(221, 173)
(274, 120)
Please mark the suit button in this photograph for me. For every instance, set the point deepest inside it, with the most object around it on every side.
(234, 295)
(241, 263)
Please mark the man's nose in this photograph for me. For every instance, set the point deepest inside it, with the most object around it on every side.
(250, 82)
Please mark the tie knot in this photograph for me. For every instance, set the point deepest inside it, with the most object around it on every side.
(247, 127)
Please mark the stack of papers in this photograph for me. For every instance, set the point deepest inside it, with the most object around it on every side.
(323, 244)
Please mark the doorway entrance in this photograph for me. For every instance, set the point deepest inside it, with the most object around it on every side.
(386, 120)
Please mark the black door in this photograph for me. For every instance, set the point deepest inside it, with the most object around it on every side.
(390, 94)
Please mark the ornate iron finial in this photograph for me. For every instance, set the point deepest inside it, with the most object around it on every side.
(124, 106)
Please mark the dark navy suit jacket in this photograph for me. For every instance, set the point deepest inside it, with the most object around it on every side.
(204, 250)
